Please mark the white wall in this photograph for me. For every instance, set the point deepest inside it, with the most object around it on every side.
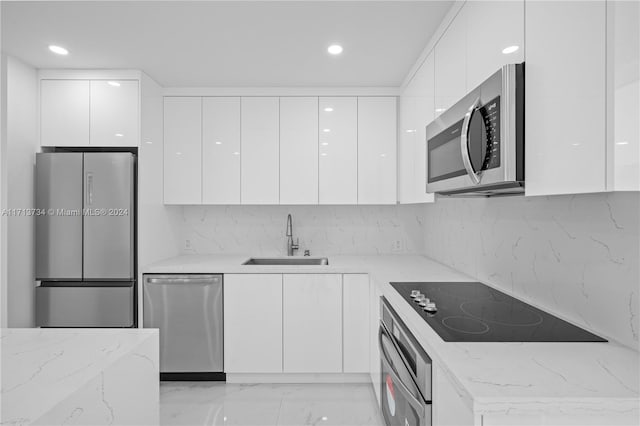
(22, 144)
(260, 230)
(576, 256)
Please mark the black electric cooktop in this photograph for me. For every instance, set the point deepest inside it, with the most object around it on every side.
(475, 312)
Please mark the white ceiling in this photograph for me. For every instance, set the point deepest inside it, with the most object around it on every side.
(239, 43)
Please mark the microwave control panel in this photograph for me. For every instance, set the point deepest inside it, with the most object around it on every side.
(491, 114)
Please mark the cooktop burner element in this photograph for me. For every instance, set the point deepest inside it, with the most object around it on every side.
(475, 312)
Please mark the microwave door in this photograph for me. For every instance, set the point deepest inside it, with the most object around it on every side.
(109, 214)
(59, 228)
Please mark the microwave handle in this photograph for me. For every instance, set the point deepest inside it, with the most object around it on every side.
(464, 143)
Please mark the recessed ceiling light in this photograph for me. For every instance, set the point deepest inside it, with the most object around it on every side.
(328, 109)
(575, 144)
(383, 155)
(326, 130)
(510, 49)
(119, 135)
(622, 143)
(149, 142)
(236, 153)
(324, 154)
(335, 49)
(410, 130)
(218, 143)
(58, 49)
(440, 109)
(324, 143)
(113, 83)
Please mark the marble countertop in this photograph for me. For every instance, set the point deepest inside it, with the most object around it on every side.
(42, 367)
(512, 378)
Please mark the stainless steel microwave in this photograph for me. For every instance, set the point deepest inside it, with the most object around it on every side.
(476, 147)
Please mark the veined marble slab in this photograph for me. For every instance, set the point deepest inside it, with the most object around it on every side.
(79, 376)
(543, 382)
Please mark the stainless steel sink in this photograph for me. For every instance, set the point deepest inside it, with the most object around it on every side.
(287, 261)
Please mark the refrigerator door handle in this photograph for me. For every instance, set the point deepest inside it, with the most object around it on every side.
(89, 188)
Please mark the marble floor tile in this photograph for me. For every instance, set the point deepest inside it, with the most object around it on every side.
(207, 403)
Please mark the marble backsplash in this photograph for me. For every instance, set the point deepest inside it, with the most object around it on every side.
(324, 230)
(576, 256)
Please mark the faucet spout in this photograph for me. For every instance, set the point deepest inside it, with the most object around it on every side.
(291, 246)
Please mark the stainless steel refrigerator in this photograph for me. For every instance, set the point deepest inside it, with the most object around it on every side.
(85, 239)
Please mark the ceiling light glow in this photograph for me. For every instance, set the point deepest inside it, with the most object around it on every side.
(622, 143)
(328, 109)
(59, 50)
(326, 130)
(335, 49)
(119, 135)
(218, 143)
(113, 83)
(510, 49)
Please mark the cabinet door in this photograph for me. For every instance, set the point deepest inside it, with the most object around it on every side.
(253, 323)
(565, 97)
(448, 407)
(492, 27)
(450, 55)
(64, 112)
(374, 349)
(299, 150)
(338, 171)
(355, 323)
(260, 167)
(377, 135)
(114, 114)
(623, 27)
(312, 323)
(182, 150)
(416, 112)
(221, 150)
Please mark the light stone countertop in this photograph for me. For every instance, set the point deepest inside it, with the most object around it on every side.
(43, 367)
(556, 379)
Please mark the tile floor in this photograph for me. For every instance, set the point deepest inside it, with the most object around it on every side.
(206, 403)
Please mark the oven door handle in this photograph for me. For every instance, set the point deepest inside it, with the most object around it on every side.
(404, 389)
(464, 143)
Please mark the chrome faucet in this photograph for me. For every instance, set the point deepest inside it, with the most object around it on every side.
(290, 245)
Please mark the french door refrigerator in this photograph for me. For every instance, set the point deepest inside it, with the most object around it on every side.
(85, 239)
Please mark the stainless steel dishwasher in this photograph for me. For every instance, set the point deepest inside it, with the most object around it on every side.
(188, 311)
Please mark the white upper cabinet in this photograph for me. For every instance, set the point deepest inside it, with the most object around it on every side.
(260, 150)
(299, 150)
(450, 56)
(565, 150)
(182, 150)
(312, 323)
(494, 28)
(64, 112)
(338, 137)
(221, 150)
(623, 27)
(377, 134)
(114, 113)
(416, 112)
(89, 112)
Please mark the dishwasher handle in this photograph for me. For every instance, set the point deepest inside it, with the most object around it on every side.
(202, 279)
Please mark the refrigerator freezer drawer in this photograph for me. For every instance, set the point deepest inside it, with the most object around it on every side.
(188, 311)
(84, 306)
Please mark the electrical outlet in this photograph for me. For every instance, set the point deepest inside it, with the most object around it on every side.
(396, 246)
(187, 244)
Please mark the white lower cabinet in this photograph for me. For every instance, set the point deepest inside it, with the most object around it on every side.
(253, 323)
(355, 323)
(374, 351)
(296, 323)
(312, 323)
(448, 407)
